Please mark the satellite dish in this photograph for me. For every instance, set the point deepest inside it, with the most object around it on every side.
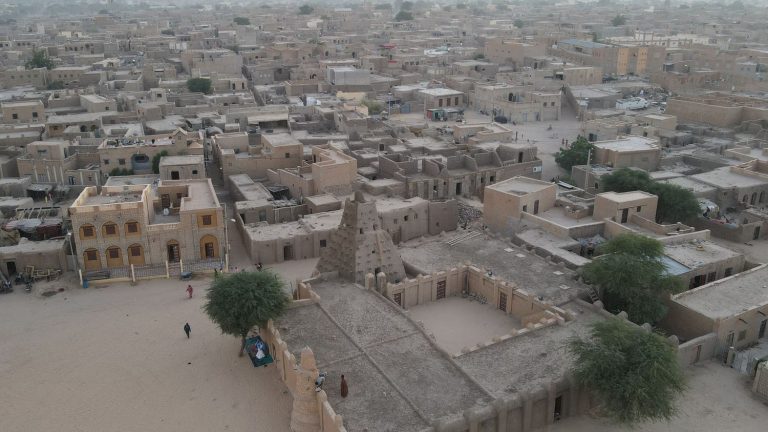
(166, 212)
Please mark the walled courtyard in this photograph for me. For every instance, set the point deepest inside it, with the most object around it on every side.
(458, 322)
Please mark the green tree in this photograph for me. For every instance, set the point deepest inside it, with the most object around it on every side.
(633, 373)
(242, 21)
(406, 6)
(156, 161)
(619, 20)
(633, 277)
(626, 180)
(383, 6)
(55, 85)
(519, 23)
(479, 56)
(167, 32)
(201, 85)
(404, 16)
(577, 154)
(306, 9)
(241, 301)
(39, 59)
(676, 204)
(461, 5)
(374, 107)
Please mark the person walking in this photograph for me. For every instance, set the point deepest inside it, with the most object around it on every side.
(189, 290)
(344, 387)
(187, 329)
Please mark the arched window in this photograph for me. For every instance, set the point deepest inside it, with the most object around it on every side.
(132, 228)
(109, 229)
(91, 260)
(209, 247)
(87, 231)
(136, 254)
(114, 257)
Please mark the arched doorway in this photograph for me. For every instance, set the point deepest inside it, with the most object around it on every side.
(173, 251)
(136, 254)
(91, 260)
(114, 257)
(209, 247)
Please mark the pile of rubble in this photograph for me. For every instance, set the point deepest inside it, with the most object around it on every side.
(468, 214)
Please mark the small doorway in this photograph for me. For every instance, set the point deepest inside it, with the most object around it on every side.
(698, 354)
(210, 252)
(165, 201)
(11, 267)
(287, 252)
(440, 290)
(458, 188)
(761, 332)
(624, 215)
(173, 252)
(756, 235)
(536, 207)
(558, 412)
(503, 301)
(729, 340)
(174, 175)
(520, 157)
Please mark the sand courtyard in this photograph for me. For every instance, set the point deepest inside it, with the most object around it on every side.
(459, 323)
(116, 359)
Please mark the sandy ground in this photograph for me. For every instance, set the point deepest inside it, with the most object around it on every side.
(458, 323)
(718, 399)
(116, 359)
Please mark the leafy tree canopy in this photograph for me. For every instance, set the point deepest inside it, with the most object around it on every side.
(383, 6)
(242, 21)
(404, 16)
(306, 9)
(156, 161)
(633, 373)
(675, 203)
(238, 302)
(201, 85)
(39, 59)
(406, 6)
(633, 277)
(577, 154)
(619, 20)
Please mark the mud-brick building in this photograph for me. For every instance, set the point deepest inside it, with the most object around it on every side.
(139, 220)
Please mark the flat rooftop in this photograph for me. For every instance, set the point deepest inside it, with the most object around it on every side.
(527, 362)
(555, 284)
(629, 143)
(181, 160)
(697, 254)
(730, 296)
(360, 334)
(724, 178)
(441, 92)
(520, 186)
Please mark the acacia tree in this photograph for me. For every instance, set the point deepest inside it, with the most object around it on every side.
(619, 20)
(633, 277)
(675, 203)
(576, 154)
(241, 301)
(633, 373)
(39, 59)
(202, 85)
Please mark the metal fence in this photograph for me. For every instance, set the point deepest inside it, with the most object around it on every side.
(149, 271)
